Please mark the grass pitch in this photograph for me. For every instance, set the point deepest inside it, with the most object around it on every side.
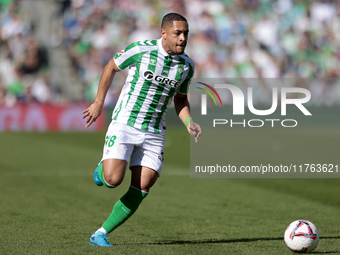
(49, 203)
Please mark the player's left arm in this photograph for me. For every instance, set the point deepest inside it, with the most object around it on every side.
(182, 107)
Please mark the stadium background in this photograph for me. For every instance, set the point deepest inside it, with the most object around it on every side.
(52, 54)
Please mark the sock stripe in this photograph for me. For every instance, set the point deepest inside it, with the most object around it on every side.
(139, 189)
(111, 186)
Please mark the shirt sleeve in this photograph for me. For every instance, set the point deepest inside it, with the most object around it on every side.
(184, 88)
(129, 56)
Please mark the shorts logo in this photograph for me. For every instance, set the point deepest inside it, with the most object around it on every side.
(148, 75)
(161, 157)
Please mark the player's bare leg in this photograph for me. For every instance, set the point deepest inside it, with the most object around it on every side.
(110, 172)
(114, 171)
(142, 179)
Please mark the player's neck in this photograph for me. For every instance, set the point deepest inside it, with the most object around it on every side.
(166, 48)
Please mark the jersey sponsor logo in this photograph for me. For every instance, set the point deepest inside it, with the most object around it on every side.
(149, 75)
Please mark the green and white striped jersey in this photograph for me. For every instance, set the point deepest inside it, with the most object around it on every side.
(154, 78)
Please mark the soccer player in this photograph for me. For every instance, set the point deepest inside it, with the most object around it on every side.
(158, 71)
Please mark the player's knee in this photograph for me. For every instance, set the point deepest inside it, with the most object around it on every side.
(113, 180)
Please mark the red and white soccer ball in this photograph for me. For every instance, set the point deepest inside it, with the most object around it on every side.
(301, 236)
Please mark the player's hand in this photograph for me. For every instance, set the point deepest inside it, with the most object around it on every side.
(194, 129)
(92, 113)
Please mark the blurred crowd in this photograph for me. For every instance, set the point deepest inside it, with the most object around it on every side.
(23, 62)
(235, 39)
(228, 38)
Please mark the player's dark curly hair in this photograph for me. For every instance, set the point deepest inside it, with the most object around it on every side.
(170, 18)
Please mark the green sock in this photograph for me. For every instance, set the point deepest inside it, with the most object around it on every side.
(101, 176)
(124, 208)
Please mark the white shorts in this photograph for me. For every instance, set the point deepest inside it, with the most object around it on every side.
(143, 148)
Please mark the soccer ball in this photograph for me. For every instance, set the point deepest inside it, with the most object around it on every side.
(301, 236)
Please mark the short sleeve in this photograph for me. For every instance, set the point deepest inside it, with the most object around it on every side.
(184, 88)
(129, 56)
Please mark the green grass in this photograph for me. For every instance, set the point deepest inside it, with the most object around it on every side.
(49, 203)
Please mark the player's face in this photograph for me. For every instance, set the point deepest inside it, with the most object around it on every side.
(175, 38)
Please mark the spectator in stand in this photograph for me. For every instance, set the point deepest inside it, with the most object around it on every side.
(34, 59)
(249, 39)
(21, 59)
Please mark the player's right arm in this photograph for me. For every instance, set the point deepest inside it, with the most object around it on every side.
(95, 109)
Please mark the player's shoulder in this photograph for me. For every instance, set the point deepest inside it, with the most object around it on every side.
(142, 45)
(137, 49)
(187, 59)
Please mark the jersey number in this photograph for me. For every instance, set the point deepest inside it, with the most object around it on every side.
(110, 141)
